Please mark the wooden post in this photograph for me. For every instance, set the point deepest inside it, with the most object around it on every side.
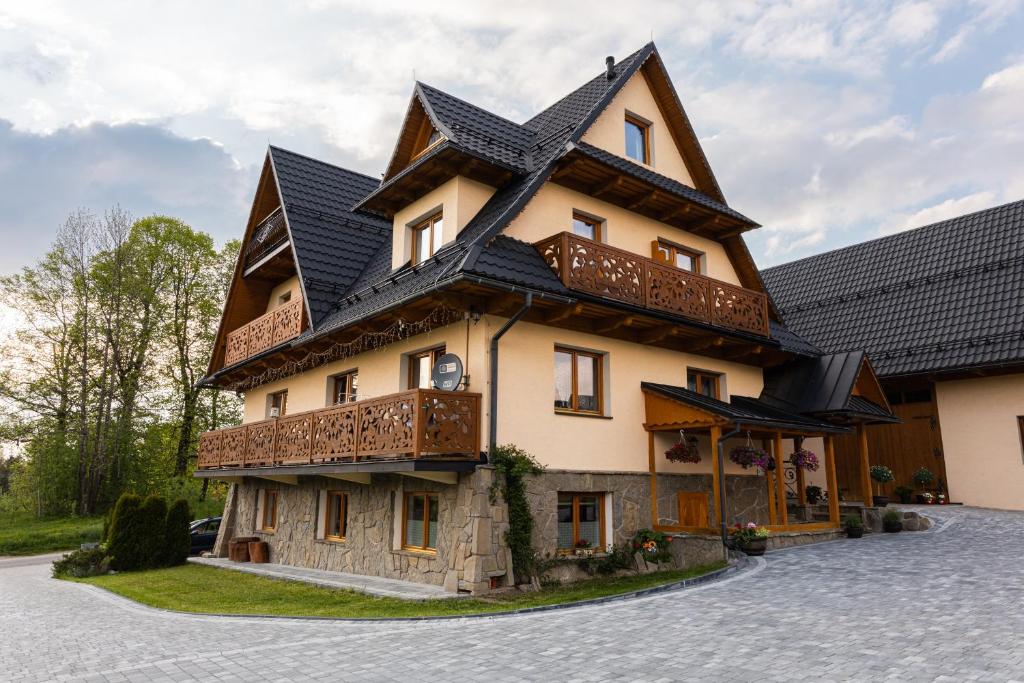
(865, 465)
(801, 483)
(780, 482)
(832, 480)
(769, 478)
(716, 485)
(654, 479)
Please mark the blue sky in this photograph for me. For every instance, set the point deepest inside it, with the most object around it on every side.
(829, 123)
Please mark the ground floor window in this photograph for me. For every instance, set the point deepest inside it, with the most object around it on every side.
(580, 520)
(268, 522)
(336, 516)
(420, 527)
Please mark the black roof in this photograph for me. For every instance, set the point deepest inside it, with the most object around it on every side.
(743, 410)
(943, 297)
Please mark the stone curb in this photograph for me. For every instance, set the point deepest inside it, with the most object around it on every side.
(711, 577)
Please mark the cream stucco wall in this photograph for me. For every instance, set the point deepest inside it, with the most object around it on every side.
(608, 131)
(289, 285)
(459, 200)
(981, 440)
(550, 212)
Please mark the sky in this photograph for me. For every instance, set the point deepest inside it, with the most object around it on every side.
(828, 123)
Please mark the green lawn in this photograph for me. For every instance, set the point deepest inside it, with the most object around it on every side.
(24, 534)
(195, 588)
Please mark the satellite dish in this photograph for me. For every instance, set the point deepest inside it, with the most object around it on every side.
(447, 372)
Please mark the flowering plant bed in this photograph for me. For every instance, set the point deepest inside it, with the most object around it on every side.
(653, 546)
(750, 456)
(804, 459)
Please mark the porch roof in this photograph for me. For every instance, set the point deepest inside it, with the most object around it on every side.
(670, 407)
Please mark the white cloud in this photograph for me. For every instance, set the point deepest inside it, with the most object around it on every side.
(950, 208)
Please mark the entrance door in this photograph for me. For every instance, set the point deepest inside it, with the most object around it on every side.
(693, 509)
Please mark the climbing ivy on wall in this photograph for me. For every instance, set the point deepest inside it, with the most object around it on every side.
(513, 464)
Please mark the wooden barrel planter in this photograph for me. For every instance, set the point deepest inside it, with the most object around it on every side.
(259, 552)
(238, 548)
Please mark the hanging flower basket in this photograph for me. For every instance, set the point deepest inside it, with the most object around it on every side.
(684, 451)
(749, 456)
(804, 459)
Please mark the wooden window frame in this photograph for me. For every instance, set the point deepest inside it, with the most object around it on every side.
(427, 227)
(574, 408)
(645, 128)
(603, 546)
(433, 353)
(344, 516)
(595, 223)
(674, 249)
(426, 547)
(284, 402)
(716, 376)
(347, 376)
(270, 510)
(1020, 428)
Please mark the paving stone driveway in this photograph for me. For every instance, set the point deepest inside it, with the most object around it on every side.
(942, 605)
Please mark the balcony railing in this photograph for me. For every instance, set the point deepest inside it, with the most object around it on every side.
(421, 423)
(268, 235)
(595, 268)
(268, 330)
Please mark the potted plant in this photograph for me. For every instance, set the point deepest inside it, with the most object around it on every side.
(813, 494)
(854, 526)
(804, 459)
(904, 493)
(751, 539)
(925, 498)
(583, 549)
(653, 546)
(923, 477)
(892, 522)
(684, 451)
(882, 475)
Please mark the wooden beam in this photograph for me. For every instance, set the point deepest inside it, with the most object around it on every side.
(780, 481)
(769, 477)
(606, 187)
(643, 199)
(680, 210)
(831, 480)
(865, 465)
(654, 479)
(612, 323)
(700, 227)
(563, 313)
(657, 334)
(716, 484)
(706, 343)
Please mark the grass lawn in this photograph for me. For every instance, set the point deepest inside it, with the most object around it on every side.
(25, 534)
(195, 588)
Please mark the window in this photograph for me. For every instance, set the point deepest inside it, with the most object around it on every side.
(344, 387)
(420, 365)
(677, 255)
(705, 383)
(427, 238)
(577, 381)
(1020, 428)
(277, 404)
(585, 226)
(269, 520)
(580, 521)
(419, 530)
(336, 516)
(638, 139)
(284, 298)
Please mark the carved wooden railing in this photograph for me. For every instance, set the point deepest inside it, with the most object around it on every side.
(268, 330)
(421, 423)
(268, 235)
(595, 268)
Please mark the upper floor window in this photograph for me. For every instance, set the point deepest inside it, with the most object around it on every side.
(420, 366)
(578, 381)
(277, 403)
(638, 139)
(427, 238)
(704, 383)
(586, 226)
(344, 387)
(677, 255)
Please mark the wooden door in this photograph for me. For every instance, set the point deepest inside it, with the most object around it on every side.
(693, 509)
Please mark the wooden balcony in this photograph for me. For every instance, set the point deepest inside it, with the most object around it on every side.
(421, 423)
(270, 234)
(588, 266)
(268, 330)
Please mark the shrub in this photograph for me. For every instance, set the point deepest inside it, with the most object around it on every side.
(80, 563)
(123, 545)
(923, 477)
(853, 522)
(513, 463)
(881, 473)
(177, 540)
(904, 493)
(619, 557)
(813, 494)
(152, 520)
(892, 516)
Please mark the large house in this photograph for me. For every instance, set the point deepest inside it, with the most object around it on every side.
(940, 310)
(591, 251)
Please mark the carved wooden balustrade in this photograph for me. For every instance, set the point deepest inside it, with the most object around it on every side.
(595, 268)
(421, 423)
(268, 330)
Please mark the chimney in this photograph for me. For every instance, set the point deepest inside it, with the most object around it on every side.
(609, 62)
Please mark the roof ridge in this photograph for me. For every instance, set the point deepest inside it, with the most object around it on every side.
(325, 163)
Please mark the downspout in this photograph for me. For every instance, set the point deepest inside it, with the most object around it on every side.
(721, 482)
(492, 430)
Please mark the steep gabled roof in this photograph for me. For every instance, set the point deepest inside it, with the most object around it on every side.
(943, 297)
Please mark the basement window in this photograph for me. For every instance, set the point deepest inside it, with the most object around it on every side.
(419, 530)
(580, 521)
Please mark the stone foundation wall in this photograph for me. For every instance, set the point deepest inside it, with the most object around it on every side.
(471, 529)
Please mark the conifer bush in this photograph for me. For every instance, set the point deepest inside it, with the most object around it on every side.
(177, 540)
(150, 527)
(122, 540)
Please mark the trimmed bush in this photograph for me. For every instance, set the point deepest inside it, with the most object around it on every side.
(80, 563)
(122, 544)
(177, 540)
(152, 521)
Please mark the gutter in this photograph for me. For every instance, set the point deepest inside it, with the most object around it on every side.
(492, 428)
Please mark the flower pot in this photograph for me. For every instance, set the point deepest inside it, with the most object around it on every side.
(892, 527)
(881, 501)
(259, 552)
(755, 546)
(854, 532)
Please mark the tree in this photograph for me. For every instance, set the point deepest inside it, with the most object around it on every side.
(177, 539)
(151, 526)
(122, 544)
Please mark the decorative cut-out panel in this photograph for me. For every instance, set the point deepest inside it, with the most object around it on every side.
(232, 447)
(293, 439)
(259, 443)
(237, 346)
(739, 308)
(677, 291)
(450, 423)
(387, 425)
(209, 449)
(270, 329)
(334, 433)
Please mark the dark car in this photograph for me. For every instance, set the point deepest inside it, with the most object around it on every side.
(204, 534)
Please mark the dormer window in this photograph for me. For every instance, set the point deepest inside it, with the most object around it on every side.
(427, 238)
(638, 139)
